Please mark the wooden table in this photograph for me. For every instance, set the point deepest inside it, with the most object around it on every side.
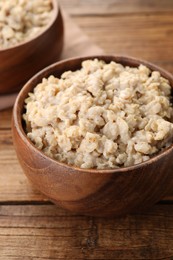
(30, 226)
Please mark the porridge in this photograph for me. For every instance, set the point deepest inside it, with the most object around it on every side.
(101, 116)
(21, 20)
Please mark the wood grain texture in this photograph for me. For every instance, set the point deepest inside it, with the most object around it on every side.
(148, 37)
(5, 119)
(102, 7)
(13, 184)
(47, 232)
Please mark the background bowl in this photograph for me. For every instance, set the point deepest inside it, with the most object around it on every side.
(21, 62)
(92, 192)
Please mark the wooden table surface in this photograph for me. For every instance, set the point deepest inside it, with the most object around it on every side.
(33, 228)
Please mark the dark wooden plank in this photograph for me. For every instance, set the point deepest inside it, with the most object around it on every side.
(47, 232)
(102, 7)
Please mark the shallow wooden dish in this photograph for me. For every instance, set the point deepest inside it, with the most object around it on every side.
(92, 192)
(21, 62)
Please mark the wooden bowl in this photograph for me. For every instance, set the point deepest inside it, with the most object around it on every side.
(21, 62)
(87, 191)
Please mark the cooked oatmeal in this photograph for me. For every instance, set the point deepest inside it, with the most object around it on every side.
(21, 20)
(101, 116)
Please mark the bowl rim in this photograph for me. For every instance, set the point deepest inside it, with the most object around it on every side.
(55, 11)
(17, 116)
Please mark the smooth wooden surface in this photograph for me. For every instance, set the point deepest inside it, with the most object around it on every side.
(102, 7)
(49, 232)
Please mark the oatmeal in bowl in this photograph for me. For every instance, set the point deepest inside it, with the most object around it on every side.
(31, 38)
(94, 134)
(22, 20)
(104, 115)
